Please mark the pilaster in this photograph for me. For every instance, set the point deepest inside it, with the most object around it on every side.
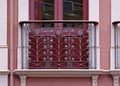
(94, 80)
(22, 80)
(116, 80)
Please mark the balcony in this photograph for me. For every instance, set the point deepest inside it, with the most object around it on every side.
(58, 44)
(117, 44)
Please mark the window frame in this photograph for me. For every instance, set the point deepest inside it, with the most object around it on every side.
(58, 9)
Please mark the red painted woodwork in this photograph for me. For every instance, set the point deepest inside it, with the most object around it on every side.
(35, 9)
(57, 45)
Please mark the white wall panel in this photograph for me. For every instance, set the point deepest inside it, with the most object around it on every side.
(3, 22)
(23, 10)
(115, 16)
(3, 36)
(94, 10)
(3, 58)
(3, 80)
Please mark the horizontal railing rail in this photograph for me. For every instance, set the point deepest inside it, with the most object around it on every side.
(58, 21)
(115, 22)
(58, 44)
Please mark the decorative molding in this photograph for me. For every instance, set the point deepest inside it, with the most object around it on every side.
(115, 72)
(113, 47)
(57, 72)
(24, 73)
(3, 46)
(94, 80)
(22, 80)
(4, 72)
(116, 75)
(116, 80)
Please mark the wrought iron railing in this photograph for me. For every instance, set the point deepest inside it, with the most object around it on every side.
(57, 44)
(117, 43)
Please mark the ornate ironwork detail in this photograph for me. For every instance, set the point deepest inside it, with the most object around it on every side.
(66, 47)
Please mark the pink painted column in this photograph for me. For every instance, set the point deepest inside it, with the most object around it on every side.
(10, 31)
(105, 41)
(12, 37)
(105, 30)
(63, 81)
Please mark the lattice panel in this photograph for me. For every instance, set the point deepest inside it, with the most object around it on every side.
(58, 48)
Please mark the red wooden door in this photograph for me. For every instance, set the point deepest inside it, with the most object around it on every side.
(58, 48)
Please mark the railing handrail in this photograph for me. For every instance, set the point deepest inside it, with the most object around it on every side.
(58, 21)
(115, 22)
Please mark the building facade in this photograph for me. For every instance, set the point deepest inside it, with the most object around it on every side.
(59, 42)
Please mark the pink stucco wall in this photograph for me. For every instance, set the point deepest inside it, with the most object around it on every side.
(105, 80)
(105, 32)
(59, 82)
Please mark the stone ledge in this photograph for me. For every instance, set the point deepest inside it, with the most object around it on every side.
(57, 72)
(4, 72)
(115, 72)
(3, 46)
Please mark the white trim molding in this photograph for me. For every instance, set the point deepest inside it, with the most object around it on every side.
(57, 72)
(4, 72)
